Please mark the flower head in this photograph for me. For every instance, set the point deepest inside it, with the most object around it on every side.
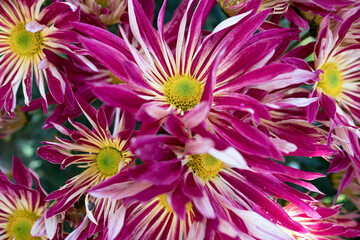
(29, 37)
(200, 80)
(338, 86)
(23, 209)
(101, 154)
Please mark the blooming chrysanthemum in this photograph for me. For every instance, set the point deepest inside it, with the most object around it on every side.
(338, 88)
(201, 80)
(162, 216)
(331, 225)
(27, 36)
(226, 191)
(101, 154)
(22, 208)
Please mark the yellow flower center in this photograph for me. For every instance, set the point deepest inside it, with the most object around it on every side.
(183, 92)
(20, 224)
(102, 3)
(331, 80)
(205, 166)
(25, 43)
(108, 161)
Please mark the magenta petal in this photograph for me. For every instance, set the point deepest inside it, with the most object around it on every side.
(312, 109)
(120, 96)
(51, 154)
(191, 187)
(178, 201)
(55, 87)
(292, 16)
(196, 115)
(346, 181)
(328, 104)
(21, 174)
(160, 173)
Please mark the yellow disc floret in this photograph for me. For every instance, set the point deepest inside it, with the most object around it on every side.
(25, 43)
(20, 224)
(331, 80)
(183, 92)
(108, 161)
(205, 166)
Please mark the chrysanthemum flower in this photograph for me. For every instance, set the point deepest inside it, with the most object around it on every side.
(202, 79)
(338, 89)
(159, 216)
(99, 153)
(331, 225)
(27, 36)
(22, 209)
(189, 170)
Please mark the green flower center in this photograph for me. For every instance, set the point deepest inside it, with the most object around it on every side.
(20, 224)
(205, 166)
(25, 43)
(102, 3)
(108, 161)
(183, 92)
(331, 80)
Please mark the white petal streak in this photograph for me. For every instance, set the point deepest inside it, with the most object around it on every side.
(34, 27)
(228, 23)
(116, 222)
(230, 157)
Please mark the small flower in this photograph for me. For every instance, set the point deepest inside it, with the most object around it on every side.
(28, 39)
(99, 153)
(22, 209)
(338, 87)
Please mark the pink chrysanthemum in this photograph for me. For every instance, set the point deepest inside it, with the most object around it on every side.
(27, 36)
(202, 79)
(338, 89)
(23, 209)
(100, 154)
(219, 184)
